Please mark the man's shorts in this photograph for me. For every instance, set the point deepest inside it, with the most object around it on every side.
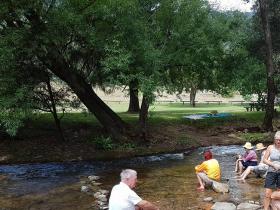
(272, 180)
(205, 179)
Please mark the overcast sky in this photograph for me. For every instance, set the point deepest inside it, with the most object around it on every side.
(232, 5)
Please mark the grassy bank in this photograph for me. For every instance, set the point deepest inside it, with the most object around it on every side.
(168, 131)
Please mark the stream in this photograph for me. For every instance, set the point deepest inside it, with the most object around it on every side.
(167, 180)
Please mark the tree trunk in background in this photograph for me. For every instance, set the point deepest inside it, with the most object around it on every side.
(104, 114)
(143, 117)
(192, 96)
(269, 111)
(54, 111)
(133, 97)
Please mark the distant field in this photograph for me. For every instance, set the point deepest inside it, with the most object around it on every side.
(200, 107)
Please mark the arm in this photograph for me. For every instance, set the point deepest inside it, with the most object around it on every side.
(146, 205)
(251, 155)
(200, 168)
(266, 157)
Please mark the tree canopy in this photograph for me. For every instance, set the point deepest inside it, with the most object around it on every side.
(155, 44)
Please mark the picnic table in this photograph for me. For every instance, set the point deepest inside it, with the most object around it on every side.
(252, 106)
(187, 101)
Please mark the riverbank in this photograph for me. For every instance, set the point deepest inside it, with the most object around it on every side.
(163, 138)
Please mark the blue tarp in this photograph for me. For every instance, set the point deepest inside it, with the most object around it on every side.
(204, 116)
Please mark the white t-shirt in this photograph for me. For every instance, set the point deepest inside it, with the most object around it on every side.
(123, 198)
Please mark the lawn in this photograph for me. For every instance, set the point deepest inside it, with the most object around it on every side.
(168, 131)
(164, 113)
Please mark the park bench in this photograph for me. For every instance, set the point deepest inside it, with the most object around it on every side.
(183, 101)
(164, 101)
(232, 102)
(219, 102)
(118, 101)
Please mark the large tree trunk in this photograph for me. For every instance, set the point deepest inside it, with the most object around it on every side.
(133, 97)
(143, 118)
(106, 116)
(269, 112)
(54, 111)
(192, 96)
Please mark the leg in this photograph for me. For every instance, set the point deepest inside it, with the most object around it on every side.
(270, 183)
(236, 162)
(240, 167)
(276, 195)
(201, 187)
(203, 180)
(236, 166)
(246, 173)
(267, 198)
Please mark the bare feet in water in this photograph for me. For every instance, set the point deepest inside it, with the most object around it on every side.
(241, 179)
(201, 189)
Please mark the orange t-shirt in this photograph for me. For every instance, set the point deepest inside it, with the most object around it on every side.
(211, 168)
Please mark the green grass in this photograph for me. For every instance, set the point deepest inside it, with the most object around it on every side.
(255, 137)
(166, 113)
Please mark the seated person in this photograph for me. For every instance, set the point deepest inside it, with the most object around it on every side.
(207, 171)
(260, 169)
(124, 198)
(248, 159)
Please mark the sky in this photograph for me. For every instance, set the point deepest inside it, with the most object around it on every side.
(233, 5)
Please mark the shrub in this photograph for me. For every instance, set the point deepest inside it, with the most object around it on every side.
(255, 137)
(103, 143)
(126, 146)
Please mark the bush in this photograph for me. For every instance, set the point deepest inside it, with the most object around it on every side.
(126, 146)
(255, 137)
(103, 143)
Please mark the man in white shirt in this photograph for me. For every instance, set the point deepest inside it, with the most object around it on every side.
(124, 198)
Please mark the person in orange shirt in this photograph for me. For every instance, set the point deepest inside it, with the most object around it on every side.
(207, 171)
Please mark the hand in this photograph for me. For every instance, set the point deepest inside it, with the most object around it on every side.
(276, 166)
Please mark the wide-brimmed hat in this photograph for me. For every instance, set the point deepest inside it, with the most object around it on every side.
(248, 145)
(260, 146)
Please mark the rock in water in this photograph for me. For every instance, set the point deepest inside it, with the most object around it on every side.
(208, 199)
(223, 206)
(85, 188)
(220, 187)
(93, 178)
(248, 206)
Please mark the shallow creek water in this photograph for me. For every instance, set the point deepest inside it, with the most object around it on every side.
(166, 180)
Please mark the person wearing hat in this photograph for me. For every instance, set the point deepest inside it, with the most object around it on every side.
(272, 179)
(260, 169)
(249, 159)
(208, 171)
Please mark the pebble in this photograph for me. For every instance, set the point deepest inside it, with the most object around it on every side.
(85, 188)
(93, 178)
(104, 191)
(248, 206)
(97, 194)
(208, 199)
(223, 206)
(96, 183)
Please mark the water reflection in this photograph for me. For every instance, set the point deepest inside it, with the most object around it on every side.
(167, 180)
